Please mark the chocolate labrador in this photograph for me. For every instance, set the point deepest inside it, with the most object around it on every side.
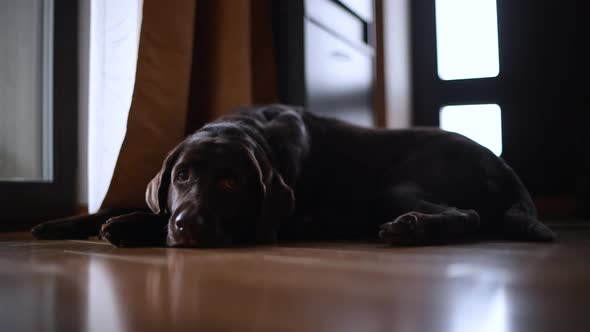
(277, 173)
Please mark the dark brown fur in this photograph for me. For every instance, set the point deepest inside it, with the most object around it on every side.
(276, 172)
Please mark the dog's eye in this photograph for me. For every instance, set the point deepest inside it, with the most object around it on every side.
(228, 184)
(181, 176)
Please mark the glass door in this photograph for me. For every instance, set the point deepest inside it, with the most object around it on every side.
(25, 90)
(38, 94)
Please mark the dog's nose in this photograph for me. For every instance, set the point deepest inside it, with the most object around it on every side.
(179, 224)
(184, 218)
(180, 221)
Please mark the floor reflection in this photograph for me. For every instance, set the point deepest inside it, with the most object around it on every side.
(38, 295)
(84, 286)
(103, 304)
(497, 318)
(479, 303)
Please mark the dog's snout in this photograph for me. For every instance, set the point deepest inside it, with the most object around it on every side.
(190, 228)
(188, 219)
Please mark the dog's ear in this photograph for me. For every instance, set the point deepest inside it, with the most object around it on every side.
(156, 194)
(286, 133)
(277, 205)
(278, 200)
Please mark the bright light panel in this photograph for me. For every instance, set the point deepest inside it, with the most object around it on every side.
(482, 123)
(466, 39)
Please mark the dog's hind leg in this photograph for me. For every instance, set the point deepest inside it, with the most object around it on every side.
(427, 222)
(520, 226)
(520, 219)
(419, 228)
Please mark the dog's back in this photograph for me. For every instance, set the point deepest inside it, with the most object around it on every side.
(349, 171)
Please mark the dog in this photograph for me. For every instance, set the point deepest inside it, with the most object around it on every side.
(278, 173)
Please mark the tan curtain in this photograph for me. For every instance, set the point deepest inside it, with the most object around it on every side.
(196, 61)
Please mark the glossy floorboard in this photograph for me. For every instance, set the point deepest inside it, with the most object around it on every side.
(492, 286)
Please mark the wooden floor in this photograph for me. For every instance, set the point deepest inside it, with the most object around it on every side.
(492, 286)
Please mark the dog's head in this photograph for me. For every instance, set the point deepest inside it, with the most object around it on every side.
(219, 189)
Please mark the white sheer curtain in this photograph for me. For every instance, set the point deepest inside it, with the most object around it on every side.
(114, 37)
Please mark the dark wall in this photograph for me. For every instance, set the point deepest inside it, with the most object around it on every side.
(545, 119)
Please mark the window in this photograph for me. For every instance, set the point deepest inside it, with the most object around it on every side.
(466, 39)
(482, 123)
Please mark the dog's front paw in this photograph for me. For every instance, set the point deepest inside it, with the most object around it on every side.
(135, 230)
(408, 229)
(114, 233)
